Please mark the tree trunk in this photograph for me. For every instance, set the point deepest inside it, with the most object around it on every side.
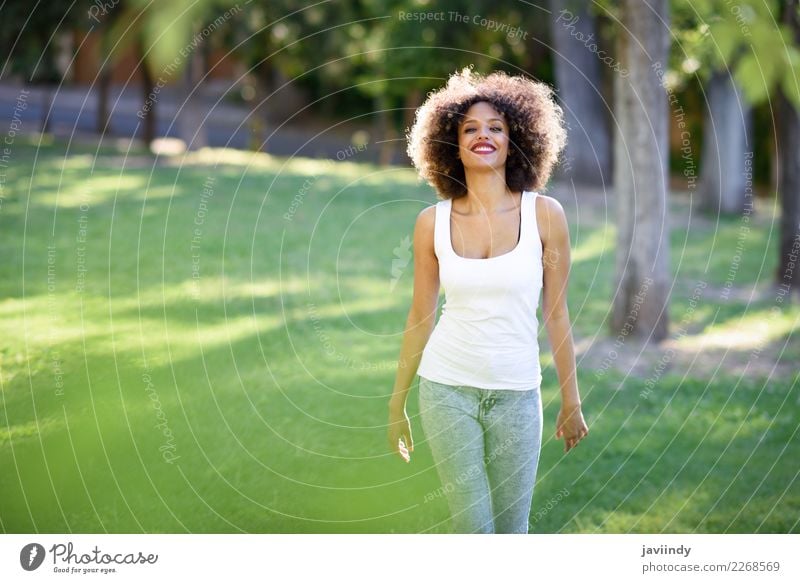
(149, 109)
(191, 112)
(384, 135)
(47, 107)
(260, 117)
(412, 101)
(787, 277)
(103, 86)
(579, 81)
(726, 133)
(640, 169)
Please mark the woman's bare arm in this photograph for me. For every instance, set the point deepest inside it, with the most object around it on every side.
(419, 325)
(556, 263)
(422, 314)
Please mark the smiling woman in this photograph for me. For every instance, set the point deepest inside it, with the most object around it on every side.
(534, 125)
(495, 244)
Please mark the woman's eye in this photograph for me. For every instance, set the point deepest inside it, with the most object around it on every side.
(472, 129)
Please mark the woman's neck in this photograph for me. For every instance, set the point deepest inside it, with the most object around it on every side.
(487, 193)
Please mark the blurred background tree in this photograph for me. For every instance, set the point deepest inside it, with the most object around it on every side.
(642, 280)
(579, 78)
(747, 58)
(29, 37)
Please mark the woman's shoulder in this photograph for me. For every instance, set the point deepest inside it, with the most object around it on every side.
(548, 206)
(550, 217)
(427, 215)
(426, 219)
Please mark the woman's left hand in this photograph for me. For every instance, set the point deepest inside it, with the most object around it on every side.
(571, 426)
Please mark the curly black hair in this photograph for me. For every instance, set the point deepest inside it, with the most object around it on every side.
(536, 130)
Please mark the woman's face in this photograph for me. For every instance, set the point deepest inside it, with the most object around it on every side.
(483, 138)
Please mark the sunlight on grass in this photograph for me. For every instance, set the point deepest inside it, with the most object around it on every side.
(94, 191)
(266, 288)
(39, 427)
(46, 324)
(750, 331)
(598, 242)
(274, 164)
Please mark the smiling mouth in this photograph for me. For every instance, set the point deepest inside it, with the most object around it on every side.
(483, 149)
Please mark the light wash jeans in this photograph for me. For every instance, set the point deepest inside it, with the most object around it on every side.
(485, 444)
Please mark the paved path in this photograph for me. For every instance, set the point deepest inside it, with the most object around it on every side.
(73, 114)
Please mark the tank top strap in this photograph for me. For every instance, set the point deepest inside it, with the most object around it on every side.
(441, 228)
(530, 226)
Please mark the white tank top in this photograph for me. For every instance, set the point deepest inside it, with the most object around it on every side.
(487, 334)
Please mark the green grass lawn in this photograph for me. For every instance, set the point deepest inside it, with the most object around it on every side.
(210, 348)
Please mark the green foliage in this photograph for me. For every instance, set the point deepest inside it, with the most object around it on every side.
(353, 53)
(746, 37)
(27, 36)
(169, 29)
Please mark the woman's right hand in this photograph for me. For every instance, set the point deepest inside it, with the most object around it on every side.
(400, 441)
